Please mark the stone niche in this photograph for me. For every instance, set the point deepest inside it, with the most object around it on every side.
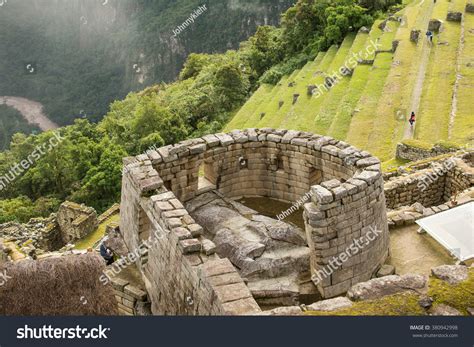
(75, 221)
(347, 202)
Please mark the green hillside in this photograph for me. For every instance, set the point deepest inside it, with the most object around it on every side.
(370, 107)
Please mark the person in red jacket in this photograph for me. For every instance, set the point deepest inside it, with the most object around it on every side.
(412, 119)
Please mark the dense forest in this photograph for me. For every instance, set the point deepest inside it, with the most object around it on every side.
(78, 56)
(11, 122)
(86, 166)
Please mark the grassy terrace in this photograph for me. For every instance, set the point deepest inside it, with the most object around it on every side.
(250, 106)
(397, 93)
(276, 115)
(363, 120)
(334, 96)
(435, 107)
(364, 109)
(463, 127)
(305, 77)
(343, 115)
(272, 107)
(253, 115)
(305, 113)
(96, 235)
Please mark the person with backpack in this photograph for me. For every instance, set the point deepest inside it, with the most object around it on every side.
(429, 35)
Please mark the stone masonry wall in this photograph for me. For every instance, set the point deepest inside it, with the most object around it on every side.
(131, 301)
(271, 163)
(407, 152)
(181, 279)
(339, 214)
(75, 221)
(431, 186)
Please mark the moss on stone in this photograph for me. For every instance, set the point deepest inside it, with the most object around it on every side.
(460, 296)
(402, 304)
(418, 144)
(448, 145)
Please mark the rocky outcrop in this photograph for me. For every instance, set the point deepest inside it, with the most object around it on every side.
(454, 16)
(283, 311)
(453, 274)
(271, 254)
(379, 287)
(434, 24)
(415, 35)
(236, 248)
(386, 270)
(331, 304)
(470, 7)
(444, 310)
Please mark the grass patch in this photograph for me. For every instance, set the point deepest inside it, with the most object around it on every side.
(402, 304)
(249, 107)
(463, 126)
(343, 117)
(96, 235)
(436, 101)
(393, 164)
(447, 144)
(285, 94)
(418, 144)
(459, 296)
(362, 121)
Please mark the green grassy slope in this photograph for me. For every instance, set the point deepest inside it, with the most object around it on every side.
(305, 114)
(462, 130)
(370, 108)
(343, 114)
(435, 108)
(394, 106)
(363, 120)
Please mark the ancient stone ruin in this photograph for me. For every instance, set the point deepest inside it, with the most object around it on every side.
(207, 254)
(76, 221)
(72, 222)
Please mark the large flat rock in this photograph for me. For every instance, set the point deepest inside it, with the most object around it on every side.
(379, 287)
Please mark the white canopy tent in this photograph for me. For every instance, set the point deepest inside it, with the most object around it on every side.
(454, 229)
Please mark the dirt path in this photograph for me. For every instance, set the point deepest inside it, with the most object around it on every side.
(31, 110)
(420, 79)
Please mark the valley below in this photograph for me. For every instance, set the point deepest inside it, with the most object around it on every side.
(31, 110)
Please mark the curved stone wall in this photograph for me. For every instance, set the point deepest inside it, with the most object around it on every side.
(275, 163)
(345, 185)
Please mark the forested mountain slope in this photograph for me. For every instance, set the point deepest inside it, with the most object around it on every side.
(77, 56)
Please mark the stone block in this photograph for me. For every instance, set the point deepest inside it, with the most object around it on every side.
(232, 292)
(321, 195)
(118, 283)
(135, 292)
(190, 246)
